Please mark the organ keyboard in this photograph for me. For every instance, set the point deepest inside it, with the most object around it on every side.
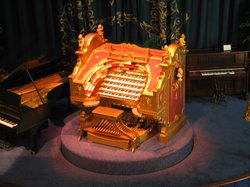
(229, 68)
(122, 85)
(126, 93)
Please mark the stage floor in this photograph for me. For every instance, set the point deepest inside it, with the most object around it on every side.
(151, 156)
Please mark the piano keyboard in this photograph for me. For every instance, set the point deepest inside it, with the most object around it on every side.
(7, 123)
(217, 73)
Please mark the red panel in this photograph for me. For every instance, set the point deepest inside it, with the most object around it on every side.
(176, 99)
(91, 63)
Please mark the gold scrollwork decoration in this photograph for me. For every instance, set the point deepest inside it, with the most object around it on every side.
(81, 17)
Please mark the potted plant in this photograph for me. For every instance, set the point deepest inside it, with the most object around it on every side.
(245, 25)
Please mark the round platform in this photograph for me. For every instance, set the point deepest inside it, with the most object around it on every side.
(149, 157)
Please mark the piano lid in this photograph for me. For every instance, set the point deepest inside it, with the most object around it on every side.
(39, 66)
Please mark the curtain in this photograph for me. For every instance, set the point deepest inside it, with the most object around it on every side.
(29, 29)
(32, 28)
(214, 23)
(131, 21)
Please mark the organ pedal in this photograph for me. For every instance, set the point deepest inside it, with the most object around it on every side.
(108, 128)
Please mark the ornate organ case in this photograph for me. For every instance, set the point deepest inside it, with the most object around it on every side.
(127, 93)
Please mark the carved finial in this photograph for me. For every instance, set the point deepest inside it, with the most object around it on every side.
(182, 41)
(99, 30)
(80, 42)
(180, 74)
(166, 58)
(82, 48)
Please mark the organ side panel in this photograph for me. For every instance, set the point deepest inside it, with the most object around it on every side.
(176, 96)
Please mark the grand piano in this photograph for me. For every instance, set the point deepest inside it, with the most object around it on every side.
(27, 95)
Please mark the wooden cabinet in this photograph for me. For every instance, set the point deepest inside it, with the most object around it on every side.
(210, 70)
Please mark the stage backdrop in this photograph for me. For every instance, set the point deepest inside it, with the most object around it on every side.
(31, 28)
(213, 23)
(133, 21)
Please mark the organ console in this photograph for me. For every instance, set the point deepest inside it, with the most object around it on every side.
(127, 93)
(207, 67)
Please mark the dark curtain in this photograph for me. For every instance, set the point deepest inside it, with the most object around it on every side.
(33, 28)
(214, 23)
(29, 30)
(131, 21)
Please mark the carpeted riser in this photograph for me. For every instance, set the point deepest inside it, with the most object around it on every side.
(129, 168)
(149, 157)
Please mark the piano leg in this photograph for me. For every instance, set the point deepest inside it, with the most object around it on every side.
(35, 135)
(245, 96)
(4, 139)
